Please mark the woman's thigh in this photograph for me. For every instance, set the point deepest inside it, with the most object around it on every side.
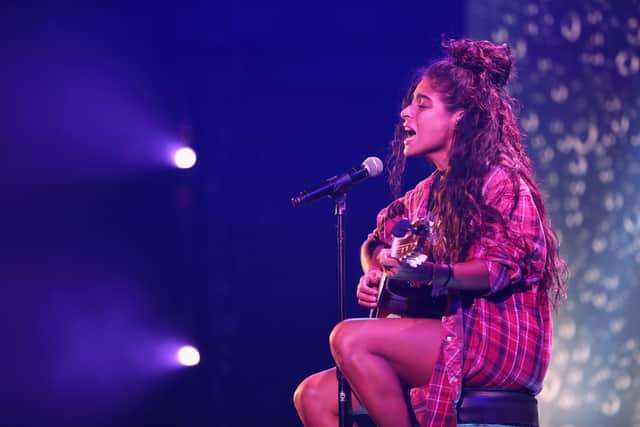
(410, 346)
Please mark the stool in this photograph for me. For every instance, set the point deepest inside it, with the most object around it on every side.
(490, 406)
(479, 406)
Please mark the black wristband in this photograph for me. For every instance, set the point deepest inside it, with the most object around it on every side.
(441, 276)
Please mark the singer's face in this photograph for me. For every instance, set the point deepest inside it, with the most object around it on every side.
(429, 125)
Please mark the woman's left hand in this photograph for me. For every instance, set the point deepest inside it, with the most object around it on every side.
(388, 263)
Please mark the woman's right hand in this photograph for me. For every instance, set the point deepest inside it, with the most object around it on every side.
(367, 291)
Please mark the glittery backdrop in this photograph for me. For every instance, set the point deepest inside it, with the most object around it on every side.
(578, 81)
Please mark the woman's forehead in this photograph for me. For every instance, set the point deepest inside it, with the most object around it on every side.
(425, 88)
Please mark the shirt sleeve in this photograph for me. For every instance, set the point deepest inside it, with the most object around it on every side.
(385, 221)
(514, 256)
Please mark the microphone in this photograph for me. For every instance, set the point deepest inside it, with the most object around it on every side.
(372, 166)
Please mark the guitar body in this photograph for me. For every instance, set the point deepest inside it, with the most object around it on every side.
(398, 299)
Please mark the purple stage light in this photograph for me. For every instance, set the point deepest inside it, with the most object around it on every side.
(184, 158)
(188, 356)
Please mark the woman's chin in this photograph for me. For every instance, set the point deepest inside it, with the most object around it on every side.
(408, 150)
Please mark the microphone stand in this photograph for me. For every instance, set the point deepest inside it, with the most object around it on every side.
(336, 188)
(344, 390)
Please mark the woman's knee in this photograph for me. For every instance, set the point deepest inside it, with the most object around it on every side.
(313, 391)
(299, 394)
(345, 341)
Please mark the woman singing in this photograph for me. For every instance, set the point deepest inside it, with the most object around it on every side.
(491, 250)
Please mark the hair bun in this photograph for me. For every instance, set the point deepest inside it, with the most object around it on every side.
(482, 57)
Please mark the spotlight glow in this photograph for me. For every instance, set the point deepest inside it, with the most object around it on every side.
(188, 356)
(184, 158)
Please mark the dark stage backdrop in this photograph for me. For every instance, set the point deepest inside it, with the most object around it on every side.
(111, 258)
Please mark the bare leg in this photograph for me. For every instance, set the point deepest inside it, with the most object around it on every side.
(316, 399)
(379, 356)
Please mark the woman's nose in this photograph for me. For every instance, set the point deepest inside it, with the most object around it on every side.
(405, 113)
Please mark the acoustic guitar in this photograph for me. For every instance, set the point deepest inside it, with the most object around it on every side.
(397, 298)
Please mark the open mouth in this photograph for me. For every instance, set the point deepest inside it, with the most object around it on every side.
(408, 134)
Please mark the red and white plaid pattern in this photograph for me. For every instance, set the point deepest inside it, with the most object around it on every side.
(499, 340)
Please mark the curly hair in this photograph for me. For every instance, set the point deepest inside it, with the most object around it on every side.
(472, 78)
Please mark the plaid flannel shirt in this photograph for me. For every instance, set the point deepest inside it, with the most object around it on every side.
(502, 338)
